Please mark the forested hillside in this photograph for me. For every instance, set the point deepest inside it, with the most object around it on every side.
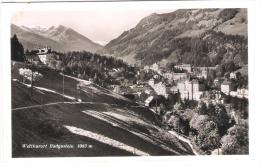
(85, 65)
(197, 36)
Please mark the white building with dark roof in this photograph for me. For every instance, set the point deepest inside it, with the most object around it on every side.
(226, 87)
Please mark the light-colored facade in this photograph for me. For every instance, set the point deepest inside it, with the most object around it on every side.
(175, 76)
(179, 76)
(204, 74)
(192, 90)
(168, 75)
(148, 100)
(151, 82)
(240, 93)
(43, 58)
(117, 89)
(155, 67)
(226, 87)
(186, 67)
(232, 75)
(160, 89)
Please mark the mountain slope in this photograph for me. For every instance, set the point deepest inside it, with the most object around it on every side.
(185, 36)
(58, 38)
(109, 123)
(31, 40)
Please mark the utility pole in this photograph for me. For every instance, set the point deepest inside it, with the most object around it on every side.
(63, 86)
(32, 70)
(178, 129)
(62, 73)
(31, 83)
(156, 106)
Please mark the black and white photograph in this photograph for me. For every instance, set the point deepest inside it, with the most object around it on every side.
(130, 83)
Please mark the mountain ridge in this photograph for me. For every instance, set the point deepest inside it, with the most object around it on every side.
(59, 38)
(184, 33)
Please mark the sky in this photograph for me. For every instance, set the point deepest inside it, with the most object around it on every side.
(100, 27)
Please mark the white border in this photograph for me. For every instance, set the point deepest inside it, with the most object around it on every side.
(253, 32)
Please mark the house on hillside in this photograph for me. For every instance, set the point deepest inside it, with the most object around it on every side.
(226, 87)
(42, 54)
(232, 75)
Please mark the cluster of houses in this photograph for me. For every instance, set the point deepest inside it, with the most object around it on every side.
(228, 88)
(189, 88)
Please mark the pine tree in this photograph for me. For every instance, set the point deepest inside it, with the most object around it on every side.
(17, 50)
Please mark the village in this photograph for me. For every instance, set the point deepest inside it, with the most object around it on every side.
(154, 84)
(189, 84)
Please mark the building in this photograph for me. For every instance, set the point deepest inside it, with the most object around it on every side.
(44, 50)
(179, 76)
(155, 67)
(243, 93)
(216, 82)
(171, 76)
(148, 101)
(232, 75)
(160, 89)
(240, 93)
(42, 54)
(146, 68)
(226, 87)
(186, 67)
(191, 90)
(204, 74)
(117, 89)
(151, 82)
(168, 75)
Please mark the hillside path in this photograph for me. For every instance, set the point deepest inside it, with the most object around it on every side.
(186, 140)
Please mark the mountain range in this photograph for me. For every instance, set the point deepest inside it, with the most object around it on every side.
(196, 36)
(201, 37)
(59, 38)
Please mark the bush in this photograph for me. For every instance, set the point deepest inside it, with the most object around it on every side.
(27, 74)
(236, 141)
(208, 137)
